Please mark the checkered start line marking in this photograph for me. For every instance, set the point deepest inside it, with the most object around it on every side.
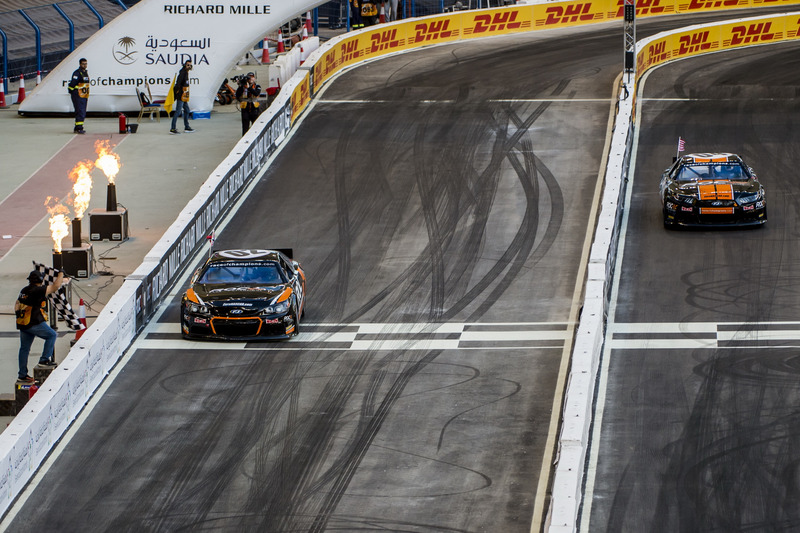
(385, 336)
(698, 335)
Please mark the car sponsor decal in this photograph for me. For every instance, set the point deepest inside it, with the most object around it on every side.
(198, 320)
(748, 207)
(716, 210)
(285, 295)
(715, 190)
(684, 208)
(243, 254)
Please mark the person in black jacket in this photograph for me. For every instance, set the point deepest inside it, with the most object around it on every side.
(247, 94)
(31, 313)
(79, 93)
(181, 94)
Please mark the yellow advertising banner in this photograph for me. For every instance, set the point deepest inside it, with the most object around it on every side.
(563, 14)
(723, 36)
(388, 38)
(301, 97)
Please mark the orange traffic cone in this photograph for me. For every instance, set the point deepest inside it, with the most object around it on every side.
(265, 52)
(81, 319)
(38, 77)
(383, 15)
(2, 94)
(305, 33)
(281, 47)
(309, 24)
(21, 92)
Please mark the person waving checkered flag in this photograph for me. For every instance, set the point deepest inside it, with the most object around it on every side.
(59, 298)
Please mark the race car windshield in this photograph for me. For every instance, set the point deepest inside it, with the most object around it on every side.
(260, 274)
(712, 171)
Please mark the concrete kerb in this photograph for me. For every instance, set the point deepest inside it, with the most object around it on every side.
(579, 396)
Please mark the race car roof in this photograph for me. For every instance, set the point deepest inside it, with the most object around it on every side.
(247, 255)
(722, 157)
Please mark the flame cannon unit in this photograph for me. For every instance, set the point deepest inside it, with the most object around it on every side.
(76, 261)
(110, 223)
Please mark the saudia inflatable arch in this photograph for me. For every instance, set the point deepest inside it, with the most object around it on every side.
(149, 42)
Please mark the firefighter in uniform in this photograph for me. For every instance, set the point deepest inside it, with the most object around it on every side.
(79, 92)
(247, 94)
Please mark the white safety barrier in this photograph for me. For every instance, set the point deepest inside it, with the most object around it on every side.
(579, 397)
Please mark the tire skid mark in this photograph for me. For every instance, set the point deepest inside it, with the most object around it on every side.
(178, 493)
(435, 253)
(303, 488)
(517, 388)
(343, 218)
(361, 444)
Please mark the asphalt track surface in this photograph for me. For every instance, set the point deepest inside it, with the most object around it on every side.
(440, 203)
(700, 411)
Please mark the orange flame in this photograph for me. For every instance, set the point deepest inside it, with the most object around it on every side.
(59, 221)
(107, 161)
(82, 186)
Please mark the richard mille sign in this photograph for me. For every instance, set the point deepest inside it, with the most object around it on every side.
(217, 9)
(147, 45)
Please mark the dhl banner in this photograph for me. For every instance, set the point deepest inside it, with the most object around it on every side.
(301, 96)
(714, 37)
(387, 38)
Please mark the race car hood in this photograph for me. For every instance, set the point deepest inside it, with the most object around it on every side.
(212, 293)
(718, 189)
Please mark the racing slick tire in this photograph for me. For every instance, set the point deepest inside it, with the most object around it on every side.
(296, 319)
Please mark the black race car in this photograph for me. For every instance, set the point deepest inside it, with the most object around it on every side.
(245, 295)
(712, 190)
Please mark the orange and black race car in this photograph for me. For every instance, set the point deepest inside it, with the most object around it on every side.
(712, 190)
(245, 295)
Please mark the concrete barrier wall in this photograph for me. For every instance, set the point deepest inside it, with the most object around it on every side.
(31, 435)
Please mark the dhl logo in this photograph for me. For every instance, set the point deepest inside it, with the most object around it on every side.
(300, 97)
(349, 50)
(497, 22)
(751, 34)
(383, 40)
(437, 29)
(327, 65)
(710, 4)
(657, 52)
(793, 32)
(569, 14)
(691, 44)
(644, 8)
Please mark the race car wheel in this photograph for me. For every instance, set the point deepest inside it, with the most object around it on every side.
(296, 320)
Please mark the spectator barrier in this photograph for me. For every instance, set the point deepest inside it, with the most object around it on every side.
(32, 434)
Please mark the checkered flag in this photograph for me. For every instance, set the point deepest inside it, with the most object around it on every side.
(59, 298)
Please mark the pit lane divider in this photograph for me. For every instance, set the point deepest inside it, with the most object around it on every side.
(567, 495)
(31, 436)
